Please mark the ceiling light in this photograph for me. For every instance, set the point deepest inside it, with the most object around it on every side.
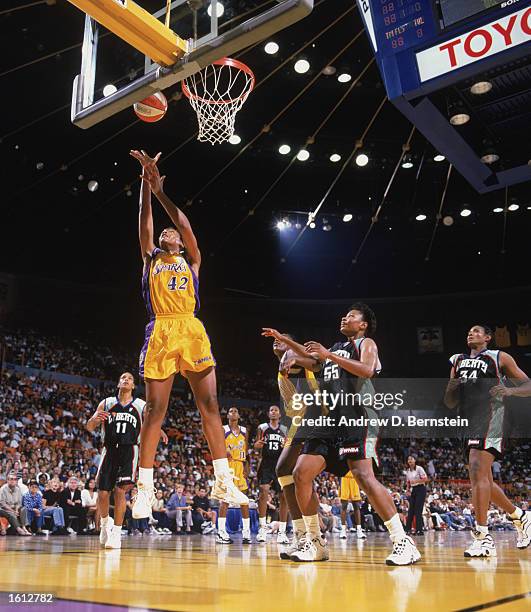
(303, 155)
(448, 220)
(458, 114)
(362, 160)
(92, 186)
(327, 227)
(498, 209)
(39, 165)
(280, 225)
(298, 225)
(344, 77)
(312, 225)
(481, 87)
(489, 154)
(439, 158)
(466, 212)
(407, 162)
(335, 157)
(529, 208)
(284, 149)
(109, 89)
(421, 217)
(347, 217)
(329, 70)
(513, 207)
(302, 66)
(235, 139)
(220, 9)
(271, 48)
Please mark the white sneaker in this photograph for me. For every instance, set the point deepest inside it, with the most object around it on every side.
(360, 535)
(481, 548)
(286, 551)
(114, 539)
(226, 490)
(404, 553)
(222, 537)
(343, 534)
(105, 532)
(523, 528)
(143, 501)
(261, 537)
(312, 550)
(282, 538)
(246, 537)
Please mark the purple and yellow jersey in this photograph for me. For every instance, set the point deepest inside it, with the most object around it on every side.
(169, 286)
(236, 444)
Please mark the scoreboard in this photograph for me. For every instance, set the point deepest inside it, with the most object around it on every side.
(425, 46)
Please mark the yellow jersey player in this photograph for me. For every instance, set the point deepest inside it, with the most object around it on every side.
(237, 445)
(350, 492)
(176, 340)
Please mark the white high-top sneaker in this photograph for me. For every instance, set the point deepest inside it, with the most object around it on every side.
(115, 538)
(226, 490)
(481, 547)
(282, 538)
(315, 549)
(261, 537)
(143, 501)
(404, 553)
(523, 528)
(105, 532)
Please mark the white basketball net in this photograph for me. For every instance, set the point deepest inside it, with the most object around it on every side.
(217, 93)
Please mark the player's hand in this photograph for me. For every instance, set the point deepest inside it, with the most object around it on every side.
(317, 350)
(286, 365)
(100, 417)
(269, 332)
(151, 175)
(163, 437)
(144, 159)
(454, 383)
(501, 391)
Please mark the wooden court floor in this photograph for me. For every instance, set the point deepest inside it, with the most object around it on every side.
(194, 574)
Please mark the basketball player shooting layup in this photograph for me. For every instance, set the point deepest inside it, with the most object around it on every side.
(471, 389)
(176, 341)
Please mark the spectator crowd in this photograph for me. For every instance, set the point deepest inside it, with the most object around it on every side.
(48, 460)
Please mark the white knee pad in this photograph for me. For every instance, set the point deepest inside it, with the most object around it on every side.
(285, 481)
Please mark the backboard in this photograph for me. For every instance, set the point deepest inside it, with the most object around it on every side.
(173, 47)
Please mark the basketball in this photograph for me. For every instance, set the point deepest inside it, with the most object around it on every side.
(152, 108)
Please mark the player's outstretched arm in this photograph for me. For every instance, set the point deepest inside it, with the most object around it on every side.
(299, 349)
(98, 418)
(145, 214)
(151, 174)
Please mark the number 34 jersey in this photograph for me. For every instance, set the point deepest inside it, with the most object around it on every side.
(123, 425)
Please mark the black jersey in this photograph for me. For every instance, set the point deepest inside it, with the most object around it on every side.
(274, 442)
(124, 423)
(478, 375)
(352, 392)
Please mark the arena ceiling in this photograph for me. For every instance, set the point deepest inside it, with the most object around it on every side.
(53, 225)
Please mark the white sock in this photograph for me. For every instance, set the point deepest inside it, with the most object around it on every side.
(312, 525)
(394, 526)
(299, 526)
(358, 529)
(104, 521)
(343, 527)
(117, 529)
(222, 521)
(145, 476)
(246, 524)
(517, 514)
(221, 467)
(481, 531)
(282, 527)
(262, 521)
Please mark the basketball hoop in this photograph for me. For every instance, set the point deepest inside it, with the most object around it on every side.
(217, 93)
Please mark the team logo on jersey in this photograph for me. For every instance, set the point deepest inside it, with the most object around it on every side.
(351, 450)
(170, 267)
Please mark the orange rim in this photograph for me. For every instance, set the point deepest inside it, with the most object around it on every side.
(224, 61)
